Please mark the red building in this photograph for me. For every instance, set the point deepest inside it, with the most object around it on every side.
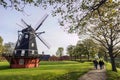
(23, 62)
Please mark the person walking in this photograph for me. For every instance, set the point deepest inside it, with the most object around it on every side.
(101, 64)
(95, 63)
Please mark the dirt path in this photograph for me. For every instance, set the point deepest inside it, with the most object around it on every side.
(94, 75)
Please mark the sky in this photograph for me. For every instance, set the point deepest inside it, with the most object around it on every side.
(54, 35)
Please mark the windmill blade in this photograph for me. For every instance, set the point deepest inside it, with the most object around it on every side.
(24, 23)
(39, 33)
(43, 41)
(41, 21)
(20, 25)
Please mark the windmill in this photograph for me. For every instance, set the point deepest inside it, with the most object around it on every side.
(25, 54)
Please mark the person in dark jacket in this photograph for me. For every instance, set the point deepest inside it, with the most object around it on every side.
(95, 63)
(101, 64)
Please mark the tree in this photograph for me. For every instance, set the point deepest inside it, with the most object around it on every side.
(70, 51)
(1, 48)
(9, 47)
(75, 12)
(1, 45)
(106, 24)
(105, 29)
(86, 47)
(90, 47)
(102, 14)
(102, 53)
(70, 5)
(18, 5)
(79, 50)
(59, 52)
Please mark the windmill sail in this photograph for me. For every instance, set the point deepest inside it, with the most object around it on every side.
(20, 25)
(24, 23)
(41, 21)
(43, 41)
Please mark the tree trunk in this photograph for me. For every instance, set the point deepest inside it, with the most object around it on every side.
(106, 57)
(75, 57)
(71, 57)
(112, 58)
(88, 57)
(113, 64)
(80, 57)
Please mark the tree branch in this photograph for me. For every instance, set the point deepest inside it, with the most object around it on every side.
(96, 7)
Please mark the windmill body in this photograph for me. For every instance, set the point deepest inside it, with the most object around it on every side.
(25, 54)
(26, 44)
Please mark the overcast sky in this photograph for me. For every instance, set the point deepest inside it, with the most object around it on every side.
(54, 34)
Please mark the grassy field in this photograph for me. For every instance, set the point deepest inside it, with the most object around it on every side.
(112, 75)
(64, 70)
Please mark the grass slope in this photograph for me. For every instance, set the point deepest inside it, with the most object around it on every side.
(64, 70)
(111, 75)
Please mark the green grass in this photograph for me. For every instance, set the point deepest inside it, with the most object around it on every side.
(111, 75)
(61, 70)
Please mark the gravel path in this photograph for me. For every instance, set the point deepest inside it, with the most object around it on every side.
(94, 75)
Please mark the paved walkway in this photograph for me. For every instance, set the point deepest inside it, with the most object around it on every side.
(94, 75)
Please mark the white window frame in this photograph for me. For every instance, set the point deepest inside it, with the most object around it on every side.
(15, 51)
(32, 44)
(33, 51)
(22, 52)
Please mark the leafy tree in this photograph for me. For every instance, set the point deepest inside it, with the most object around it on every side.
(100, 17)
(90, 47)
(59, 52)
(75, 51)
(86, 47)
(9, 47)
(1, 45)
(102, 53)
(105, 29)
(79, 50)
(72, 6)
(70, 51)
(18, 5)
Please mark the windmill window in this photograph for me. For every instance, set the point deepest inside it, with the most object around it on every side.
(15, 51)
(22, 52)
(32, 44)
(26, 36)
(21, 62)
(33, 51)
(20, 37)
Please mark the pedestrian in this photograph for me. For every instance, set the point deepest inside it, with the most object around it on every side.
(101, 64)
(95, 63)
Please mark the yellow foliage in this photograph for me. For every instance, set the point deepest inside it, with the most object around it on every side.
(113, 11)
(110, 1)
(110, 26)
